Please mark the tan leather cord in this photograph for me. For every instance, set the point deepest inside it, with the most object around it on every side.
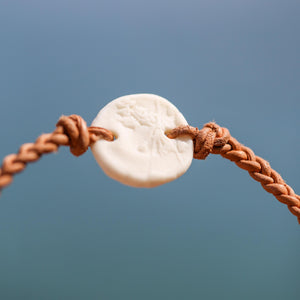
(72, 131)
(217, 140)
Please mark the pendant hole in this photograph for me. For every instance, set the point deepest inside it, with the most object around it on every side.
(115, 136)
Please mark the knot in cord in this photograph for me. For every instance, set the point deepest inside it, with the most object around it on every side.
(75, 128)
(205, 140)
(80, 136)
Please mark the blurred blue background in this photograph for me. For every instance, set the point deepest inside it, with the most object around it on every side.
(69, 232)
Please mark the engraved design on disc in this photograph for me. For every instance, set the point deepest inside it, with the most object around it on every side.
(142, 155)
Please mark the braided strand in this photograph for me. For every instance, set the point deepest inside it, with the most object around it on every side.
(217, 140)
(70, 131)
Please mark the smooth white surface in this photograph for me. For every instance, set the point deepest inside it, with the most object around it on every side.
(142, 155)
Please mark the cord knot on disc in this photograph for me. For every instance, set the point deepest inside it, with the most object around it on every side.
(80, 136)
(205, 140)
(75, 128)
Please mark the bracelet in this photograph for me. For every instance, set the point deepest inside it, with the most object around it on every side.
(142, 140)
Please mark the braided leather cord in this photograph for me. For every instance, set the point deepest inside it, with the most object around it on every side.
(217, 140)
(72, 131)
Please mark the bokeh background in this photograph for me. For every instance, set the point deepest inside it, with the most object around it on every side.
(69, 232)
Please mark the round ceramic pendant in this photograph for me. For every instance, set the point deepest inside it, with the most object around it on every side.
(141, 154)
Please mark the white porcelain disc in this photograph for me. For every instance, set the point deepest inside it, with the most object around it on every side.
(142, 155)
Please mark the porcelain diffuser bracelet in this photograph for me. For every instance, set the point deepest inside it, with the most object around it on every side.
(143, 140)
